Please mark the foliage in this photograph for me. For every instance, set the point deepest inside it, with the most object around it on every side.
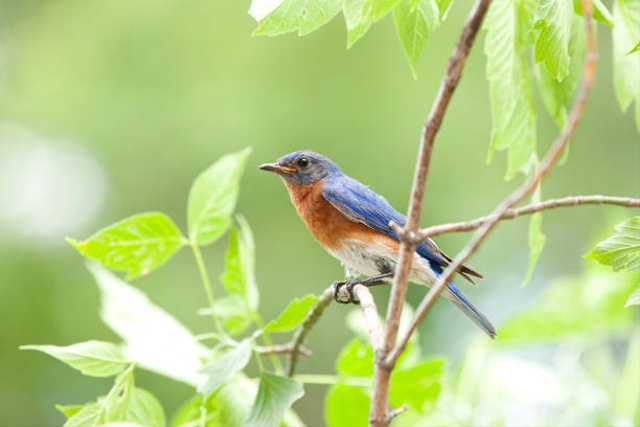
(622, 250)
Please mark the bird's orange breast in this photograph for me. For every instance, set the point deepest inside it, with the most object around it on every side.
(327, 224)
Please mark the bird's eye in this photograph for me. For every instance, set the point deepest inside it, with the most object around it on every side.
(303, 162)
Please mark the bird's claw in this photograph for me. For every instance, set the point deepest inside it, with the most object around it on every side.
(348, 286)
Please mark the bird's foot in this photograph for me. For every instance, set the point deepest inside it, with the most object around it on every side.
(348, 287)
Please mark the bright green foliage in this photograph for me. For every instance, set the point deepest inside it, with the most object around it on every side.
(144, 409)
(293, 315)
(213, 196)
(275, 395)
(69, 410)
(222, 369)
(304, 16)
(636, 48)
(443, 7)
(415, 25)
(357, 23)
(553, 19)
(138, 244)
(356, 359)
(600, 12)
(346, 406)
(512, 107)
(556, 95)
(626, 68)
(93, 358)
(634, 298)
(239, 276)
(152, 337)
(233, 310)
(578, 307)
(417, 386)
(536, 238)
(622, 250)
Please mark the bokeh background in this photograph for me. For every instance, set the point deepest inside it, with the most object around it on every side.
(112, 108)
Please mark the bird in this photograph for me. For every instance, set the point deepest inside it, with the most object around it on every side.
(352, 223)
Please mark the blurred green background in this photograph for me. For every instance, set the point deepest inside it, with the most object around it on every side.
(112, 108)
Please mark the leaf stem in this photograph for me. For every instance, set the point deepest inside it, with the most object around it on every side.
(207, 285)
(266, 338)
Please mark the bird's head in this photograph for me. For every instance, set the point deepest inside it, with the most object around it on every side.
(303, 167)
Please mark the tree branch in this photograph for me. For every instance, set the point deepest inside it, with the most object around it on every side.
(379, 416)
(370, 313)
(282, 348)
(436, 230)
(547, 163)
(301, 333)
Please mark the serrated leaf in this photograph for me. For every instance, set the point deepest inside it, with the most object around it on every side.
(626, 68)
(275, 395)
(417, 386)
(303, 16)
(536, 238)
(293, 315)
(634, 298)
(622, 250)
(239, 276)
(589, 307)
(346, 406)
(600, 11)
(213, 196)
(152, 337)
(93, 358)
(88, 416)
(557, 95)
(222, 369)
(356, 359)
(512, 108)
(414, 26)
(553, 19)
(138, 244)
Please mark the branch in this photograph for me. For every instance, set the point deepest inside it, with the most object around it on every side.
(436, 230)
(282, 348)
(303, 330)
(547, 163)
(370, 313)
(379, 415)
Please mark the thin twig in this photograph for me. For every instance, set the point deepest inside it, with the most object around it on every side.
(382, 372)
(282, 348)
(303, 330)
(549, 160)
(437, 230)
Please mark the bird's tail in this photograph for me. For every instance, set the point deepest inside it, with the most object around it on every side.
(463, 303)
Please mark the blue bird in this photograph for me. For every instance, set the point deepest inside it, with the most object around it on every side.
(351, 222)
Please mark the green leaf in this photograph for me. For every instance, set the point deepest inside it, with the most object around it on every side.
(414, 26)
(145, 409)
(233, 310)
(213, 196)
(138, 244)
(356, 359)
(585, 307)
(93, 358)
(536, 238)
(557, 95)
(357, 22)
(622, 250)
(553, 19)
(626, 68)
(512, 106)
(275, 395)
(293, 315)
(444, 6)
(634, 298)
(152, 337)
(600, 11)
(88, 416)
(69, 410)
(304, 16)
(239, 276)
(417, 386)
(222, 369)
(635, 49)
(346, 406)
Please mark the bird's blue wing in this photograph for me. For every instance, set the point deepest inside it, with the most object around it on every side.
(360, 204)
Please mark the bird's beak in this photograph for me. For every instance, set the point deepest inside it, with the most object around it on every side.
(274, 167)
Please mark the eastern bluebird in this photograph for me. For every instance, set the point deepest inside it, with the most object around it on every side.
(351, 222)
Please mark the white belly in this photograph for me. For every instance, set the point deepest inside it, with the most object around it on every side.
(360, 258)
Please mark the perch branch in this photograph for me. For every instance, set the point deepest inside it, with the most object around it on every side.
(520, 193)
(379, 415)
(436, 230)
(370, 313)
(282, 348)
